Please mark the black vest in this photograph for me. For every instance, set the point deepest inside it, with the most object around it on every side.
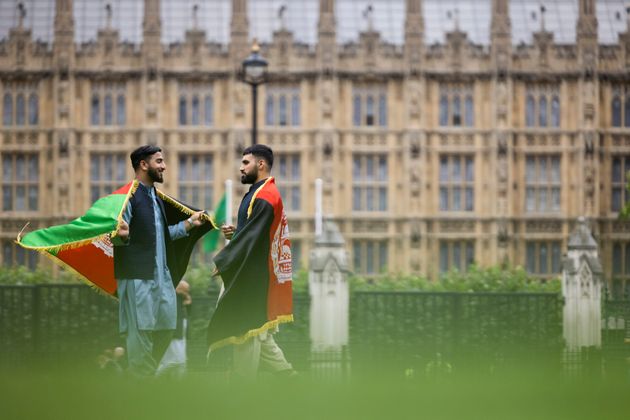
(137, 259)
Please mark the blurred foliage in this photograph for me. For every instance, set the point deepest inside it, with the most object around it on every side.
(625, 211)
(476, 279)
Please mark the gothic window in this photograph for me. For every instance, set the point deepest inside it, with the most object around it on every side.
(108, 172)
(195, 106)
(20, 110)
(454, 97)
(195, 177)
(369, 182)
(369, 107)
(542, 183)
(620, 173)
(20, 182)
(457, 255)
(112, 97)
(616, 111)
(443, 110)
(33, 109)
(542, 106)
(369, 256)
(282, 106)
(457, 191)
(543, 257)
(288, 180)
(470, 111)
(7, 109)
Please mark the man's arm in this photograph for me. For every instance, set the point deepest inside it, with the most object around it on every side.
(122, 231)
(181, 229)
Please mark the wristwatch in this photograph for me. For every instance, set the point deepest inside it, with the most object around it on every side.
(190, 221)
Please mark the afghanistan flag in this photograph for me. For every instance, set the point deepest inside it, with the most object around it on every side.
(256, 271)
(84, 245)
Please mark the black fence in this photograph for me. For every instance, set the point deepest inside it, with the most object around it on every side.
(408, 330)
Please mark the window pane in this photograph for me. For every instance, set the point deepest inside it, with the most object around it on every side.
(383, 256)
(356, 198)
(555, 170)
(19, 255)
(208, 110)
(7, 198)
(555, 112)
(356, 115)
(182, 110)
(457, 111)
(33, 168)
(382, 168)
(530, 112)
(443, 110)
(282, 105)
(194, 120)
(295, 198)
(469, 111)
(457, 199)
(543, 203)
(196, 169)
(20, 110)
(33, 109)
(20, 168)
(443, 257)
(7, 110)
(207, 192)
(356, 251)
(530, 170)
(370, 258)
(7, 168)
(356, 168)
(544, 265)
(617, 263)
(32, 198)
(616, 112)
(95, 193)
(295, 172)
(542, 112)
(616, 199)
(531, 257)
(470, 169)
(295, 110)
(109, 115)
(556, 257)
(208, 174)
(616, 170)
(470, 254)
(369, 198)
(182, 168)
(530, 199)
(382, 110)
(108, 166)
(283, 166)
(470, 199)
(7, 253)
(196, 193)
(96, 111)
(269, 111)
(444, 175)
(120, 168)
(457, 255)
(457, 169)
(121, 110)
(369, 161)
(555, 199)
(627, 111)
(542, 171)
(369, 111)
(443, 198)
(382, 199)
(20, 197)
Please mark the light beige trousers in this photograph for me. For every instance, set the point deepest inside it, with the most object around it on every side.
(260, 352)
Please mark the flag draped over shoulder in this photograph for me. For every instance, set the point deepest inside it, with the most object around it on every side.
(256, 271)
(84, 245)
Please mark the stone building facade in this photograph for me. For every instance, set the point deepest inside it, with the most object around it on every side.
(432, 156)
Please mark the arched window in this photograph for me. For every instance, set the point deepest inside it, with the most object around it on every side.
(195, 111)
(443, 110)
(382, 110)
(457, 111)
(20, 110)
(182, 110)
(356, 115)
(109, 114)
(469, 111)
(542, 111)
(295, 110)
(121, 111)
(616, 111)
(530, 111)
(369, 110)
(208, 110)
(96, 110)
(555, 111)
(33, 109)
(282, 105)
(627, 111)
(270, 117)
(7, 109)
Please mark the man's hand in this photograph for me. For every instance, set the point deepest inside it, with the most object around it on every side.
(123, 231)
(228, 231)
(196, 219)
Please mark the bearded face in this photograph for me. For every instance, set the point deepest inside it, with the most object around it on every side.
(249, 169)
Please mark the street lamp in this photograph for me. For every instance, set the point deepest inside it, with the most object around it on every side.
(254, 73)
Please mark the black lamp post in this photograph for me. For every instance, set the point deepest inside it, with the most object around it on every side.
(254, 73)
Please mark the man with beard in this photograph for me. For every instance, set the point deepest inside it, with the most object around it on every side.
(255, 267)
(144, 264)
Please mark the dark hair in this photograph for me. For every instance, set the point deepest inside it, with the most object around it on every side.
(261, 151)
(142, 153)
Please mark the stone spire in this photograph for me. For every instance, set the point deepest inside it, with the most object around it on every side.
(587, 36)
(326, 33)
(63, 45)
(239, 32)
(501, 32)
(414, 34)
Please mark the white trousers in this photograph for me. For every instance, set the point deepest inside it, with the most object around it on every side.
(260, 352)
